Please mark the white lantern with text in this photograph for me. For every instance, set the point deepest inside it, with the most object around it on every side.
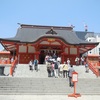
(74, 76)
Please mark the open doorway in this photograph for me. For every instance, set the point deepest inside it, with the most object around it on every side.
(43, 54)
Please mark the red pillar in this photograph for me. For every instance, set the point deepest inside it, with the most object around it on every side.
(63, 57)
(36, 55)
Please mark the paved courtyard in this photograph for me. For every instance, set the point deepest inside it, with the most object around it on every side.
(48, 97)
(84, 86)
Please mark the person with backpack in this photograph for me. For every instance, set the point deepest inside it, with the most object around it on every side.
(36, 65)
(70, 71)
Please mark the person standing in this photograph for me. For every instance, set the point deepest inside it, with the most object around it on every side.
(65, 70)
(46, 58)
(61, 70)
(12, 60)
(86, 67)
(68, 62)
(54, 56)
(77, 61)
(59, 62)
(52, 71)
(59, 59)
(49, 69)
(70, 71)
(31, 65)
(36, 65)
(82, 61)
(56, 69)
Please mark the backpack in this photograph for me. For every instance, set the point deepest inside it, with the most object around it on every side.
(56, 65)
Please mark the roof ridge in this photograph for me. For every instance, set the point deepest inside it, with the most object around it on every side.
(46, 27)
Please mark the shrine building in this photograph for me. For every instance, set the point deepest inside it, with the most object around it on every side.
(36, 41)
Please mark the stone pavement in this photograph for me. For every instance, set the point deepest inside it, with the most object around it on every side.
(48, 97)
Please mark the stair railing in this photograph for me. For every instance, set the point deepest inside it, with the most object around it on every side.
(93, 69)
(13, 65)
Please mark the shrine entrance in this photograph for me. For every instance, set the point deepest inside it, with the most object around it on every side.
(44, 50)
(49, 46)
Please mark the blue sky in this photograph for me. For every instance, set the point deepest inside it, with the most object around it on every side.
(48, 12)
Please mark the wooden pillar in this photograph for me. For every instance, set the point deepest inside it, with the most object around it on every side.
(63, 57)
(36, 55)
(78, 54)
(17, 50)
(17, 53)
(68, 50)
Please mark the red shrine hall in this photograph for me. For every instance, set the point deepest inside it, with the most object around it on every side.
(36, 41)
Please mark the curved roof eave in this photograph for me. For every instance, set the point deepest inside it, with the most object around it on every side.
(48, 36)
(10, 40)
(59, 37)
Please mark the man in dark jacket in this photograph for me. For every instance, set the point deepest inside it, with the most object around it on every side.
(70, 71)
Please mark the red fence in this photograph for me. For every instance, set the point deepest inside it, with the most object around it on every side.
(93, 68)
(13, 67)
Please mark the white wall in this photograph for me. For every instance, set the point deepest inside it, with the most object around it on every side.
(96, 49)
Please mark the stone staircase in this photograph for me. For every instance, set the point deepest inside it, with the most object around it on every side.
(33, 86)
(46, 86)
(26, 82)
(82, 74)
(22, 70)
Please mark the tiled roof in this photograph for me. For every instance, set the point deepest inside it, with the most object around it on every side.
(32, 34)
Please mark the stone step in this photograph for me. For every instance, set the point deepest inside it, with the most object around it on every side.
(32, 86)
(26, 82)
(22, 70)
(18, 85)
